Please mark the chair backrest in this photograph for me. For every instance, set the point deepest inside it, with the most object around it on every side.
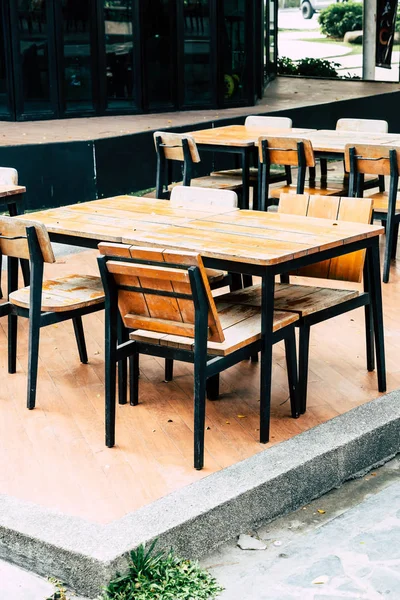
(348, 267)
(194, 197)
(8, 176)
(154, 289)
(14, 241)
(293, 152)
(268, 122)
(365, 125)
(371, 159)
(173, 146)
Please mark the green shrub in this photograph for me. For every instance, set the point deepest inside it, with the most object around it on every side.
(308, 67)
(161, 576)
(337, 19)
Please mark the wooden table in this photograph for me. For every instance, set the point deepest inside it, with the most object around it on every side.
(240, 140)
(246, 242)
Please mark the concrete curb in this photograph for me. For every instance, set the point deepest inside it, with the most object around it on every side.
(199, 517)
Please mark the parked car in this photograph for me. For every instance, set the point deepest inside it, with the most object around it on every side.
(309, 7)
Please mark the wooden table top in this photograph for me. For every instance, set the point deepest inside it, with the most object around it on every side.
(241, 136)
(11, 190)
(238, 235)
(323, 140)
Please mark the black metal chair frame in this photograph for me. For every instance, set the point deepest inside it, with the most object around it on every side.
(205, 367)
(390, 219)
(37, 318)
(13, 202)
(164, 168)
(264, 179)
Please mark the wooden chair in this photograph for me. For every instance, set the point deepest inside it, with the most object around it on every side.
(378, 160)
(164, 295)
(292, 152)
(43, 302)
(174, 147)
(261, 122)
(363, 126)
(316, 304)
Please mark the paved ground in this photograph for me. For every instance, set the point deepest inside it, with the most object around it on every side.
(346, 545)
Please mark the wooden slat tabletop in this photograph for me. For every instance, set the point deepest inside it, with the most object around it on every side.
(238, 235)
(241, 136)
(323, 140)
(11, 190)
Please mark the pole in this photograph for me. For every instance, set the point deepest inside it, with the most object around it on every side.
(369, 39)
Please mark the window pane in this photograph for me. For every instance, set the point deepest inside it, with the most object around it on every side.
(119, 52)
(3, 72)
(78, 93)
(197, 52)
(234, 50)
(34, 51)
(159, 46)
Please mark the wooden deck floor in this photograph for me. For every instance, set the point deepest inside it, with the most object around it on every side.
(55, 455)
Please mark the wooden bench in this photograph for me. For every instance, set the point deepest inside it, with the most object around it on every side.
(165, 296)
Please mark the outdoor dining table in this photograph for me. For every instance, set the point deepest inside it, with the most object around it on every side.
(238, 241)
(239, 139)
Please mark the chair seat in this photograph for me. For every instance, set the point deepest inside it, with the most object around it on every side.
(241, 326)
(217, 183)
(381, 202)
(301, 299)
(322, 191)
(66, 293)
(253, 175)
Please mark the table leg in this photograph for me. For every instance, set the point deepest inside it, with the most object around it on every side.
(267, 315)
(245, 178)
(376, 303)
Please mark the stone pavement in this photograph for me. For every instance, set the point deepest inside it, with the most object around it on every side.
(346, 545)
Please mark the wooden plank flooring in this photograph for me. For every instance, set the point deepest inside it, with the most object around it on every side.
(55, 455)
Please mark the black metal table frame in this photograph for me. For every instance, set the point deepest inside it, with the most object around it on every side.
(268, 274)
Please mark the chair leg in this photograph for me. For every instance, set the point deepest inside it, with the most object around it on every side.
(199, 414)
(134, 379)
(388, 249)
(254, 358)
(212, 387)
(323, 163)
(123, 336)
(381, 183)
(169, 369)
(395, 240)
(80, 339)
(304, 348)
(369, 338)
(33, 354)
(12, 343)
(291, 366)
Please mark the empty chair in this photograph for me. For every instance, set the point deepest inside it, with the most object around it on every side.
(362, 160)
(360, 126)
(174, 147)
(315, 304)
(261, 122)
(165, 297)
(43, 302)
(292, 152)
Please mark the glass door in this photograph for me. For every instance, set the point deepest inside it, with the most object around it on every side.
(158, 28)
(5, 80)
(35, 75)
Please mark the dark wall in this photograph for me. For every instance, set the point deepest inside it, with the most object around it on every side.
(66, 173)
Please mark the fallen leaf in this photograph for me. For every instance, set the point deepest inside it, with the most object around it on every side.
(208, 428)
(320, 580)
(320, 511)
(242, 417)
(373, 474)
(154, 430)
(170, 421)
(228, 422)
(96, 353)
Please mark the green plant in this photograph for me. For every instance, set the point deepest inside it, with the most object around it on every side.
(337, 19)
(308, 67)
(60, 593)
(161, 575)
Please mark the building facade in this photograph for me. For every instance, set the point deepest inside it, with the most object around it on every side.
(65, 58)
